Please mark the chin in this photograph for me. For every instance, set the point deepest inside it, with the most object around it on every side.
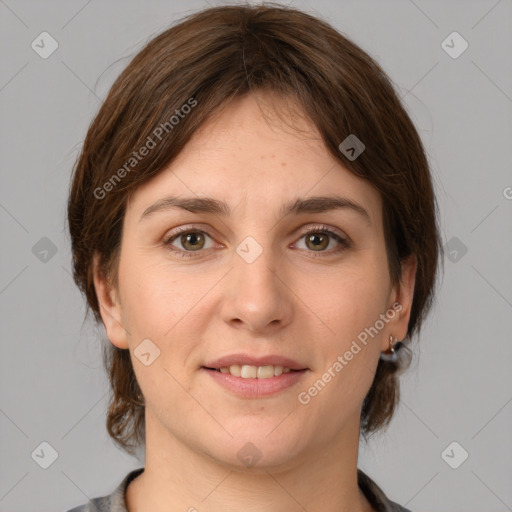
(261, 446)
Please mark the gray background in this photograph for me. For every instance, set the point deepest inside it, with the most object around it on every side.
(459, 387)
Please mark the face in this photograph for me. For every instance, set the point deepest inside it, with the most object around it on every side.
(256, 284)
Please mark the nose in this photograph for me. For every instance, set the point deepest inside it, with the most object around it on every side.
(257, 295)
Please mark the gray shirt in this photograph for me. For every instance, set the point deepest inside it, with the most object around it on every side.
(116, 502)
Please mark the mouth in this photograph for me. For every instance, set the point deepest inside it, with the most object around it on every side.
(250, 376)
(254, 372)
(255, 382)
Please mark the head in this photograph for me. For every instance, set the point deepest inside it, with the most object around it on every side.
(249, 105)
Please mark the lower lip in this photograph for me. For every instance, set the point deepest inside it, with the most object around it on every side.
(256, 388)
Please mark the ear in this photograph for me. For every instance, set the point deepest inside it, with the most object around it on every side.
(110, 306)
(402, 296)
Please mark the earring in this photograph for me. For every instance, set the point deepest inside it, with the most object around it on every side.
(392, 356)
(139, 399)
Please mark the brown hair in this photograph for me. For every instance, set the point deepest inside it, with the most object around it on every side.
(207, 60)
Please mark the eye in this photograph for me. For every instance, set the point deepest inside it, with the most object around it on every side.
(191, 240)
(318, 239)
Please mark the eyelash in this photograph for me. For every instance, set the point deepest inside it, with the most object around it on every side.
(344, 243)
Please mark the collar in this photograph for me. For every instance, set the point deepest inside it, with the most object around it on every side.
(116, 501)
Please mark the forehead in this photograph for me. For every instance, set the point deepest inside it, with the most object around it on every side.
(257, 152)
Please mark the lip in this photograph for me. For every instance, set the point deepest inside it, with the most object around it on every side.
(246, 359)
(255, 388)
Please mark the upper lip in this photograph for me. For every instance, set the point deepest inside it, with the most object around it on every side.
(246, 359)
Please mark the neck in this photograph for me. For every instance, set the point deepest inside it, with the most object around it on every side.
(178, 478)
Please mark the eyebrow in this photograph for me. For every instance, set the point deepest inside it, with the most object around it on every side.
(314, 204)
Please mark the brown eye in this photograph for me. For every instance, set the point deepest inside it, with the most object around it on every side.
(317, 241)
(193, 241)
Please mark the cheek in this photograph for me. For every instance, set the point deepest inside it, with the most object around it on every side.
(167, 306)
(348, 301)
(152, 297)
(149, 309)
(351, 305)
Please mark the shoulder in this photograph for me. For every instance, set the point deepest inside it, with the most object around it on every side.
(376, 496)
(114, 502)
(95, 505)
(395, 507)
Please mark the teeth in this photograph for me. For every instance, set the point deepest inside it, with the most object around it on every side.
(235, 370)
(278, 370)
(255, 372)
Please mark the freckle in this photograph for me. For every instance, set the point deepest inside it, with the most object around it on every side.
(273, 156)
(283, 163)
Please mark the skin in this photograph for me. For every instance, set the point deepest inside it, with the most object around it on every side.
(286, 302)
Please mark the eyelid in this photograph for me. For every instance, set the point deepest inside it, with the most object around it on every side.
(322, 228)
(188, 228)
(204, 228)
(343, 240)
(201, 228)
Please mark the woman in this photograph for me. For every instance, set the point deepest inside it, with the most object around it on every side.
(253, 221)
